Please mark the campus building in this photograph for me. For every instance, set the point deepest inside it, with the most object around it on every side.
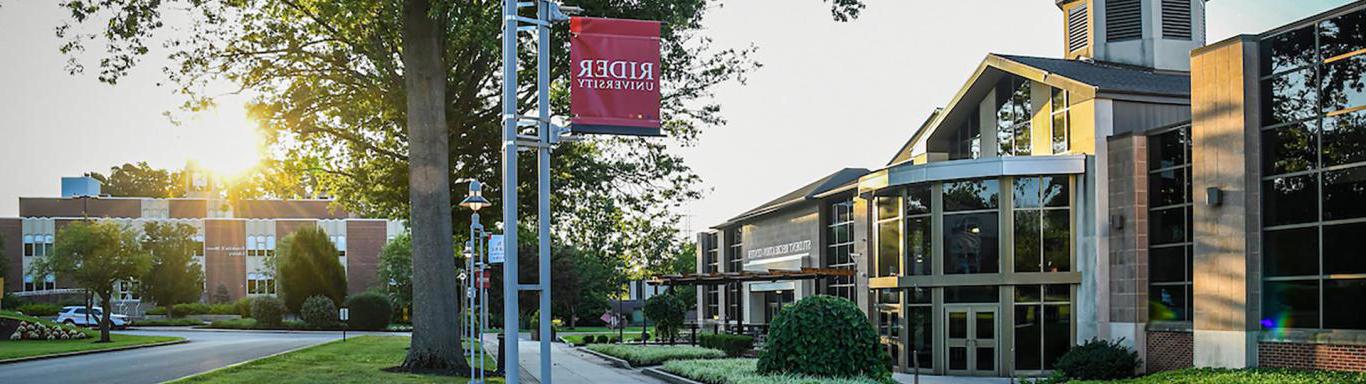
(1195, 201)
(234, 237)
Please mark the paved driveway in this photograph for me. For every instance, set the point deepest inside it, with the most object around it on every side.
(206, 351)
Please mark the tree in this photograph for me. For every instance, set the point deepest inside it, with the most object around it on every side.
(587, 291)
(174, 276)
(362, 97)
(140, 180)
(395, 271)
(96, 256)
(307, 265)
(667, 312)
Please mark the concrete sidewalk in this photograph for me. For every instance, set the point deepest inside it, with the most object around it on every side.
(569, 366)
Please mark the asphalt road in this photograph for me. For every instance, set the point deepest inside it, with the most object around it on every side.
(205, 351)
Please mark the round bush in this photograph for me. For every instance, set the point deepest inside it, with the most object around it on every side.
(369, 311)
(268, 311)
(243, 307)
(319, 312)
(1098, 360)
(823, 336)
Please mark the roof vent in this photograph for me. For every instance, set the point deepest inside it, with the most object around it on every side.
(1077, 28)
(1176, 19)
(1124, 20)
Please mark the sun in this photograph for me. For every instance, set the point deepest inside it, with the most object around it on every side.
(223, 139)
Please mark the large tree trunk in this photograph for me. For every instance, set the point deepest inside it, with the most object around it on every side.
(436, 324)
(105, 314)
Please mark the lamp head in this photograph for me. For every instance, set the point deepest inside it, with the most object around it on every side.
(475, 200)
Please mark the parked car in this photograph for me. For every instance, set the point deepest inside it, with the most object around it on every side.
(75, 315)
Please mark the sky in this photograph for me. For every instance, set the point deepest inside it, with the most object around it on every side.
(830, 95)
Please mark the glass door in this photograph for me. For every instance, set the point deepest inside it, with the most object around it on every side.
(970, 337)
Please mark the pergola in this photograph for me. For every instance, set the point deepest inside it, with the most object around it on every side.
(728, 278)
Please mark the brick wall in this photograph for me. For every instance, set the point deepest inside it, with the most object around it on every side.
(364, 241)
(1169, 350)
(12, 230)
(1335, 357)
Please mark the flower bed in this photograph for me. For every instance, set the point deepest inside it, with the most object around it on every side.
(645, 355)
(745, 371)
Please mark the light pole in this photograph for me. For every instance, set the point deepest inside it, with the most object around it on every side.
(474, 201)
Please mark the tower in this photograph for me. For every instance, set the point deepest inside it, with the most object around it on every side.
(1157, 34)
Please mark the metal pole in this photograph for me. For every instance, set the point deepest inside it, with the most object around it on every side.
(483, 303)
(543, 162)
(510, 290)
(469, 297)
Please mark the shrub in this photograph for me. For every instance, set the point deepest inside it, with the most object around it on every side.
(732, 345)
(234, 324)
(644, 336)
(644, 355)
(599, 339)
(223, 309)
(243, 307)
(307, 266)
(10, 301)
(823, 336)
(319, 312)
(667, 312)
(156, 311)
(1098, 360)
(268, 311)
(167, 322)
(737, 371)
(369, 311)
(182, 310)
(39, 309)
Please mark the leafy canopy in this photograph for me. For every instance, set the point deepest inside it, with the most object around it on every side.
(174, 276)
(96, 256)
(307, 265)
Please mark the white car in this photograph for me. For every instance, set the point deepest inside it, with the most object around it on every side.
(75, 315)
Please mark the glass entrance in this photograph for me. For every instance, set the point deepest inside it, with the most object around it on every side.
(774, 302)
(970, 336)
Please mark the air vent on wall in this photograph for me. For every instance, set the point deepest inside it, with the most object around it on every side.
(1077, 29)
(1176, 19)
(1124, 20)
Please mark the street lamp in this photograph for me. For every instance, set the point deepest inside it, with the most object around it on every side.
(475, 271)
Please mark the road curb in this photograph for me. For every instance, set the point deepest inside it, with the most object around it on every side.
(620, 363)
(91, 352)
(669, 377)
(288, 331)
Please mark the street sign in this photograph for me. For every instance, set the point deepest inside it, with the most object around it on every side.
(614, 76)
(496, 249)
(345, 313)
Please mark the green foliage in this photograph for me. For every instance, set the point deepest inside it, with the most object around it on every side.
(823, 336)
(96, 256)
(666, 311)
(268, 311)
(733, 345)
(220, 295)
(39, 309)
(223, 309)
(319, 312)
(369, 311)
(141, 180)
(1098, 360)
(156, 311)
(243, 307)
(182, 310)
(307, 266)
(646, 355)
(395, 271)
(167, 323)
(174, 277)
(1241, 376)
(744, 371)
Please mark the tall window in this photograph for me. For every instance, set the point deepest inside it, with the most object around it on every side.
(838, 255)
(1170, 247)
(1043, 325)
(260, 283)
(1314, 168)
(1062, 120)
(970, 227)
(919, 255)
(920, 323)
(1043, 224)
(888, 236)
(967, 139)
(711, 263)
(1014, 109)
(734, 257)
(889, 322)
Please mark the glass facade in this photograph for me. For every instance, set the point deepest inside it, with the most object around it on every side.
(888, 236)
(734, 258)
(840, 248)
(1043, 224)
(1314, 174)
(1014, 110)
(971, 227)
(1170, 246)
(1043, 325)
(711, 263)
(1062, 120)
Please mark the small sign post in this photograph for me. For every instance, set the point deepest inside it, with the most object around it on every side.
(496, 249)
(344, 314)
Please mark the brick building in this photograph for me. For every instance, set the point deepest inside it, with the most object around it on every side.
(1197, 202)
(235, 238)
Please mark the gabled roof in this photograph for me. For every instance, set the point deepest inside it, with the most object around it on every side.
(847, 177)
(1112, 78)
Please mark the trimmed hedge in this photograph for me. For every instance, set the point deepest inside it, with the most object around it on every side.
(319, 312)
(823, 336)
(733, 345)
(157, 311)
(369, 311)
(646, 355)
(182, 310)
(268, 311)
(39, 309)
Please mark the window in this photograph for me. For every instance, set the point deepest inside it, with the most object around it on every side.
(734, 258)
(260, 283)
(711, 263)
(970, 227)
(920, 323)
(1043, 325)
(1169, 230)
(127, 290)
(1062, 120)
(1043, 224)
(1014, 109)
(1314, 175)
(967, 139)
(839, 252)
(340, 243)
(889, 239)
(919, 250)
(49, 282)
(888, 307)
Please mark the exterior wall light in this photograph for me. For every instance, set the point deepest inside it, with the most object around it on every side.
(1214, 197)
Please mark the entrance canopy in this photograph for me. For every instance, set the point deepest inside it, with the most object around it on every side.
(723, 278)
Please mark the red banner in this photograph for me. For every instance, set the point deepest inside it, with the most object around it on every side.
(614, 76)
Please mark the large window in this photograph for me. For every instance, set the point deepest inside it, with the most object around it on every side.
(261, 246)
(888, 319)
(971, 227)
(711, 263)
(1169, 225)
(919, 250)
(888, 236)
(1014, 109)
(839, 252)
(734, 258)
(260, 283)
(1043, 224)
(920, 320)
(967, 139)
(1314, 175)
(1062, 120)
(1043, 325)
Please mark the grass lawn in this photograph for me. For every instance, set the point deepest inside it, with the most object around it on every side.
(356, 360)
(27, 348)
(736, 371)
(646, 355)
(1241, 376)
